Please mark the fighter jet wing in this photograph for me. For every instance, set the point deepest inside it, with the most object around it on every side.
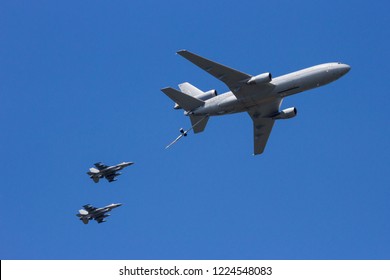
(89, 208)
(232, 78)
(100, 165)
(263, 123)
(111, 177)
(100, 219)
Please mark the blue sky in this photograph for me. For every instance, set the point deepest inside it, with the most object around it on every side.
(80, 83)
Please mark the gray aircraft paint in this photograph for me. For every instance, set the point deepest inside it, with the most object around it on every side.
(260, 95)
(104, 171)
(98, 214)
(279, 87)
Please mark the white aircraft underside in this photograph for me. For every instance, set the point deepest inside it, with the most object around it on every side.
(260, 96)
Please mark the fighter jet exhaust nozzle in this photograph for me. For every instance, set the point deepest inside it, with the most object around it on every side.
(260, 79)
(286, 114)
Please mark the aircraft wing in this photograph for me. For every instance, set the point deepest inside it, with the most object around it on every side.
(263, 123)
(100, 219)
(89, 208)
(111, 177)
(100, 165)
(232, 78)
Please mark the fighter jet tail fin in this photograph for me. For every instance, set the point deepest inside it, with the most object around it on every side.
(94, 174)
(83, 217)
(185, 101)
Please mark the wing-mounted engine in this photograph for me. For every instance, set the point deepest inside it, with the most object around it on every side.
(260, 79)
(286, 114)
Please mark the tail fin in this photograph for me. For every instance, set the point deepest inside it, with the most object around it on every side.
(83, 216)
(185, 101)
(198, 123)
(94, 174)
(190, 89)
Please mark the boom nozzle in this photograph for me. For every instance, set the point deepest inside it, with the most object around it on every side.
(185, 132)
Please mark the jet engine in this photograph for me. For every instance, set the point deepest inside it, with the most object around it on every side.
(202, 96)
(286, 114)
(207, 95)
(260, 79)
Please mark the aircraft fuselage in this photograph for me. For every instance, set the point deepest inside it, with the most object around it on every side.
(278, 88)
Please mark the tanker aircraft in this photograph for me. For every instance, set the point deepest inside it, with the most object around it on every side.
(260, 96)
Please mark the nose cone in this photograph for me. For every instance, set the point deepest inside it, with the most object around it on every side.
(344, 68)
(114, 205)
(127, 163)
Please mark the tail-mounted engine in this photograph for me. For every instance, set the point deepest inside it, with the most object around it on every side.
(202, 96)
(208, 94)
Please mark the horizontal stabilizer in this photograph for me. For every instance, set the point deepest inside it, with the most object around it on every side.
(198, 123)
(185, 101)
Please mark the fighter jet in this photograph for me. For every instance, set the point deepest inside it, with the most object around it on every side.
(98, 214)
(260, 95)
(109, 172)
